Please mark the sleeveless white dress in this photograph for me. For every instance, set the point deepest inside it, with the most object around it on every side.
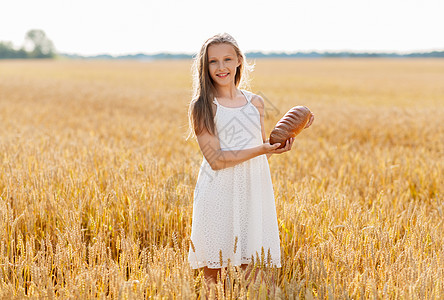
(234, 211)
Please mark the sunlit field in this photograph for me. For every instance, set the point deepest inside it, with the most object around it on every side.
(97, 180)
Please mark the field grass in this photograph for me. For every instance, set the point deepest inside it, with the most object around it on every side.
(97, 180)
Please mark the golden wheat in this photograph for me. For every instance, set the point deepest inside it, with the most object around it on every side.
(96, 181)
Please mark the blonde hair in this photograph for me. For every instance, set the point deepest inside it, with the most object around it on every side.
(200, 111)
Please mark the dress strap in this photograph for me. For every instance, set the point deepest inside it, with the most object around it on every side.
(247, 95)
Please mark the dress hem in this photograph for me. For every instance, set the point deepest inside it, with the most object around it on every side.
(195, 266)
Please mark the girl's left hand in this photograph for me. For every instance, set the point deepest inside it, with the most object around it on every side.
(310, 121)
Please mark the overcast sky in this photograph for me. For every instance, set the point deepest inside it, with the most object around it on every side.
(132, 26)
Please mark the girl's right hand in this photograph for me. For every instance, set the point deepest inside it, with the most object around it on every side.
(268, 148)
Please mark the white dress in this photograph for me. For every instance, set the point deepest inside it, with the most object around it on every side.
(235, 203)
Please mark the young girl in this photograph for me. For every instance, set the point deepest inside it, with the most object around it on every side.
(234, 213)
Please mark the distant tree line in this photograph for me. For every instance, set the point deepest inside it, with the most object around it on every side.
(163, 55)
(37, 45)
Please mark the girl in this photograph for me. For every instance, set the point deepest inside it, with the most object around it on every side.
(234, 214)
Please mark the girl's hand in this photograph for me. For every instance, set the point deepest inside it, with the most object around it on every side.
(272, 148)
(310, 121)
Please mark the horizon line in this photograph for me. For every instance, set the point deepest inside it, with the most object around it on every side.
(260, 51)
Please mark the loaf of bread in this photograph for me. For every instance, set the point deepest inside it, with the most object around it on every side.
(290, 125)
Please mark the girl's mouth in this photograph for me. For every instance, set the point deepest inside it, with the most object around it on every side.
(222, 75)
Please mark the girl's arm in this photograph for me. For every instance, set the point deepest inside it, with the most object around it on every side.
(229, 158)
(219, 159)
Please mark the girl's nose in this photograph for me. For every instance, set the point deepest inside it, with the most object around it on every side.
(221, 66)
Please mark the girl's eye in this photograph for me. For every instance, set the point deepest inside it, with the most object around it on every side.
(213, 61)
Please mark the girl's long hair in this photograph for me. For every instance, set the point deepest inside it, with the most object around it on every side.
(200, 111)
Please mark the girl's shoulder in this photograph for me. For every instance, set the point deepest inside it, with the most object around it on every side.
(255, 99)
(247, 92)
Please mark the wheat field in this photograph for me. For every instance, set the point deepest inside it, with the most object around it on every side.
(97, 180)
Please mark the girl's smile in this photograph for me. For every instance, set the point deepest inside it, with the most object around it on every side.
(223, 75)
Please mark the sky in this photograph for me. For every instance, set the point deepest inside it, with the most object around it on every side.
(91, 27)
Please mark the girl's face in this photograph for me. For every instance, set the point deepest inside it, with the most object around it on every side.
(222, 62)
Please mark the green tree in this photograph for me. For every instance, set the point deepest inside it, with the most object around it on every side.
(41, 45)
(8, 51)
